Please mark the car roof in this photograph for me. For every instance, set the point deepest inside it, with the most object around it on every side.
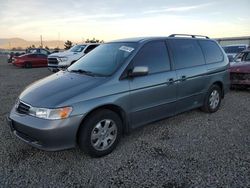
(143, 39)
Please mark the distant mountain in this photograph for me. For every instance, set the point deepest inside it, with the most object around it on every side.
(21, 43)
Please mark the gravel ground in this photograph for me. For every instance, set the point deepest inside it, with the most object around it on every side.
(193, 149)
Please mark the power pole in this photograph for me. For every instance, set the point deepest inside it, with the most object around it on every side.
(58, 41)
(41, 37)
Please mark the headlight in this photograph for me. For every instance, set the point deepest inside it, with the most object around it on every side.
(63, 59)
(45, 113)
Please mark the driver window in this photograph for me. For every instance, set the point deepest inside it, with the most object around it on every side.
(153, 55)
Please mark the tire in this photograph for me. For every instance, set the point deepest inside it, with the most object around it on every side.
(95, 138)
(28, 65)
(213, 99)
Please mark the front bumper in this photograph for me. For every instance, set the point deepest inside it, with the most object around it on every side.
(240, 82)
(49, 135)
(240, 78)
(55, 68)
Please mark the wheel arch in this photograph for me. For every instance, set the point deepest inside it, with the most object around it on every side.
(115, 108)
(220, 84)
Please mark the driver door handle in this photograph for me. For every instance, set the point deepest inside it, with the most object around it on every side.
(183, 78)
(170, 81)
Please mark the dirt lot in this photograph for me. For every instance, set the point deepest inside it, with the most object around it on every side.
(193, 149)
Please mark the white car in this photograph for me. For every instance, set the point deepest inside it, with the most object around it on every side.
(61, 60)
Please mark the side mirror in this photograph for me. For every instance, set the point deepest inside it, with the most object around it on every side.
(138, 71)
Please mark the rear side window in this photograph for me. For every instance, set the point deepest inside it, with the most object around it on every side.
(212, 52)
(187, 53)
(154, 55)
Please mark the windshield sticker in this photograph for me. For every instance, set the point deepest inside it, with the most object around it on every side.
(126, 49)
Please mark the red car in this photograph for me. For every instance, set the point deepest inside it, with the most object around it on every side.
(30, 60)
(240, 70)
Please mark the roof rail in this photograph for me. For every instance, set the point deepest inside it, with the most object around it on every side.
(193, 36)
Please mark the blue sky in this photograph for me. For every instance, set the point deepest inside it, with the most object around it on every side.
(112, 19)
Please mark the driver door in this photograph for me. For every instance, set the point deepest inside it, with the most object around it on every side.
(153, 96)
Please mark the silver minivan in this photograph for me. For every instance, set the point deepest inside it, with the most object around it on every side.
(120, 86)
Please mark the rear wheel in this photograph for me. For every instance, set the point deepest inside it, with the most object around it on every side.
(28, 65)
(100, 133)
(213, 99)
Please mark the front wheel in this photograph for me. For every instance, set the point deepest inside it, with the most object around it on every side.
(100, 133)
(213, 99)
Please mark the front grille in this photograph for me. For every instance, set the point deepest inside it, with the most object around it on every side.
(22, 108)
(240, 76)
(52, 61)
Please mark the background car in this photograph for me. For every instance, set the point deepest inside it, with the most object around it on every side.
(14, 54)
(240, 70)
(28, 51)
(38, 51)
(64, 59)
(30, 60)
(233, 50)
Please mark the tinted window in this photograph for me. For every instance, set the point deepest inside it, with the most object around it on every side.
(187, 53)
(154, 55)
(211, 51)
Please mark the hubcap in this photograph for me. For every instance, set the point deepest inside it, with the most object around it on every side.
(214, 99)
(103, 134)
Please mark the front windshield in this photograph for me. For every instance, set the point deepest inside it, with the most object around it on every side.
(234, 49)
(105, 59)
(77, 48)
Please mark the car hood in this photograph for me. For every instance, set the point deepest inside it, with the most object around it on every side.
(53, 90)
(241, 67)
(63, 54)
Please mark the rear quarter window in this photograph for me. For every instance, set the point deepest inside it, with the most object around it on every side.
(187, 53)
(212, 51)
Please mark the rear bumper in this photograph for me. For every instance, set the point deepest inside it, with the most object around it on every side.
(49, 135)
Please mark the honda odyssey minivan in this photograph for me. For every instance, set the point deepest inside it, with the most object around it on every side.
(120, 86)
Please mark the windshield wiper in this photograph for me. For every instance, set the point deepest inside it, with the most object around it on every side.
(80, 71)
